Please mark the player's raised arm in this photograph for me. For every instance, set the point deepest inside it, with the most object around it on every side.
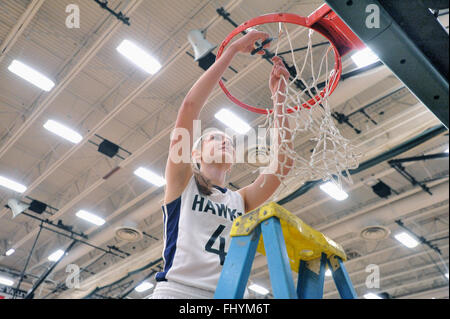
(178, 171)
(266, 184)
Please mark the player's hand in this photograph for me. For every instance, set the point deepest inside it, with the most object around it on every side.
(246, 44)
(276, 83)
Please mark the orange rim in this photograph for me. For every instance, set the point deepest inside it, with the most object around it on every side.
(287, 18)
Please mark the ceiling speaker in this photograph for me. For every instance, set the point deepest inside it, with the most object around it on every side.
(16, 206)
(201, 46)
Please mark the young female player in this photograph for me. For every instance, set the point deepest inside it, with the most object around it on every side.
(198, 208)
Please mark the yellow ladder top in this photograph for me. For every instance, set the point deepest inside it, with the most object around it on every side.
(302, 241)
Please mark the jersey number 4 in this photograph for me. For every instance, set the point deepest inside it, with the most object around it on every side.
(209, 245)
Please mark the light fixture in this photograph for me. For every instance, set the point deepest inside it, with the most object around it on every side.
(232, 121)
(446, 275)
(63, 131)
(334, 191)
(328, 273)
(144, 286)
(10, 252)
(31, 75)
(6, 182)
(139, 57)
(364, 57)
(407, 240)
(55, 256)
(150, 177)
(258, 289)
(371, 295)
(92, 218)
(6, 281)
(446, 151)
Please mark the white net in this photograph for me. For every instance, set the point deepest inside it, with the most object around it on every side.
(333, 155)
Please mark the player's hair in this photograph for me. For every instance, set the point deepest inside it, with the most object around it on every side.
(204, 185)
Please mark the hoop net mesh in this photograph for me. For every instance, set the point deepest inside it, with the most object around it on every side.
(299, 115)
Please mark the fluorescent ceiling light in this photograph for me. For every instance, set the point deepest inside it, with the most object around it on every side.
(139, 57)
(56, 255)
(6, 281)
(63, 131)
(258, 289)
(94, 219)
(371, 295)
(6, 182)
(10, 252)
(232, 121)
(144, 286)
(406, 240)
(31, 75)
(328, 273)
(150, 177)
(334, 191)
(364, 57)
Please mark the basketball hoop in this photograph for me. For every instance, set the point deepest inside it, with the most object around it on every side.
(333, 154)
(323, 21)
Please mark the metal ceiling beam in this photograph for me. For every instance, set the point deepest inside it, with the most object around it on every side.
(28, 260)
(325, 199)
(422, 239)
(377, 211)
(133, 202)
(391, 276)
(404, 147)
(392, 287)
(132, 5)
(158, 206)
(30, 294)
(396, 41)
(424, 214)
(106, 120)
(217, 92)
(404, 258)
(141, 150)
(262, 263)
(260, 260)
(440, 292)
(57, 90)
(125, 102)
(19, 27)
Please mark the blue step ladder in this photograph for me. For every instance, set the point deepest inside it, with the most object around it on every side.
(302, 249)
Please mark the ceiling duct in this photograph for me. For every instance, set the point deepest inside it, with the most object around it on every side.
(375, 232)
(128, 232)
(257, 155)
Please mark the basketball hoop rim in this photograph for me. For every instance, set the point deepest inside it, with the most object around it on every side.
(287, 18)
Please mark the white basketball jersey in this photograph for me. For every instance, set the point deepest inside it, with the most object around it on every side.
(196, 235)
